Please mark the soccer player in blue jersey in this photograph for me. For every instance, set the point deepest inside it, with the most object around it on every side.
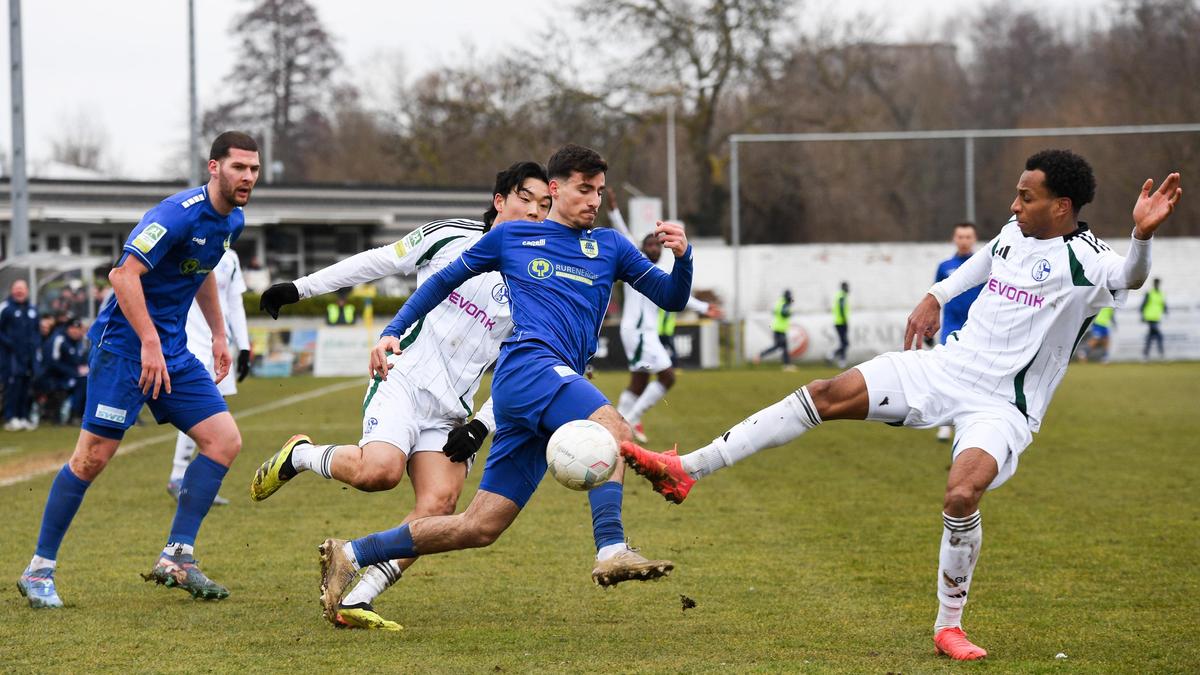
(954, 314)
(140, 356)
(559, 274)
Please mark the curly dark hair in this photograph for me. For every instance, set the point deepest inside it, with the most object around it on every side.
(509, 181)
(1067, 175)
(571, 158)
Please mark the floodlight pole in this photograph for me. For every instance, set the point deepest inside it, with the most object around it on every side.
(969, 176)
(193, 165)
(672, 190)
(735, 228)
(18, 242)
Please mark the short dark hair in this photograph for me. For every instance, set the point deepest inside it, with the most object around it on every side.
(1067, 175)
(571, 158)
(971, 226)
(231, 139)
(509, 180)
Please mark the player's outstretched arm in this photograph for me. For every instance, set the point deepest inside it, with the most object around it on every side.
(127, 285)
(669, 291)
(359, 268)
(1152, 208)
(924, 322)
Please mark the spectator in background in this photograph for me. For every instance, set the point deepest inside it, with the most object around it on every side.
(340, 313)
(1097, 346)
(63, 372)
(841, 323)
(20, 339)
(1154, 307)
(779, 326)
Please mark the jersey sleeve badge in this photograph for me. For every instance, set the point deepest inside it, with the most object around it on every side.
(407, 244)
(148, 237)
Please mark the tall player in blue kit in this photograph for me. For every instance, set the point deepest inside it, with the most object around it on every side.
(140, 356)
(559, 274)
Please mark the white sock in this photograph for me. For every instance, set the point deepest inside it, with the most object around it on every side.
(185, 448)
(625, 403)
(961, 541)
(768, 428)
(653, 394)
(348, 549)
(175, 548)
(375, 580)
(609, 551)
(318, 458)
(38, 562)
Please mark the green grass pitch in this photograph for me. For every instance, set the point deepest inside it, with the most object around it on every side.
(817, 557)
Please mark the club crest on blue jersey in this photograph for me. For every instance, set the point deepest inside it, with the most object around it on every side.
(500, 293)
(1041, 270)
(540, 268)
(589, 247)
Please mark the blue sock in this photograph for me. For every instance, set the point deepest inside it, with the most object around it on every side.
(394, 544)
(606, 514)
(200, 484)
(66, 494)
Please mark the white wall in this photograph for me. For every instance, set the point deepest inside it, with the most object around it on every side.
(887, 280)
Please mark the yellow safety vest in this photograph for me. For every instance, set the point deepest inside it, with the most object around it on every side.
(1105, 317)
(780, 323)
(841, 309)
(346, 316)
(1154, 307)
(666, 323)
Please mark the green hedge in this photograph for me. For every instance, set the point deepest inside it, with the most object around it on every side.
(383, 306)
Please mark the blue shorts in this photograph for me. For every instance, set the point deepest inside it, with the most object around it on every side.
(114, 398)
(1100, 332)
(534, 393)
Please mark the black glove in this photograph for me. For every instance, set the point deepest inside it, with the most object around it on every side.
(463, 442)
(277, 296)
(243, 364)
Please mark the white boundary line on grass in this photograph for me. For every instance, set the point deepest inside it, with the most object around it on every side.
(162, 438)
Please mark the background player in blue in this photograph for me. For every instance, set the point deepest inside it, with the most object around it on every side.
(954, 314)
(139, 355)
(560, 274)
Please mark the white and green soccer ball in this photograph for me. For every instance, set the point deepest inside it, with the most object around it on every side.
(581, 454)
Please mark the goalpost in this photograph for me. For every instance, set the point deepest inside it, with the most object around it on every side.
(968, 137)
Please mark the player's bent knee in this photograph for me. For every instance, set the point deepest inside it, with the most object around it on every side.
(441, 503)
(962, 500)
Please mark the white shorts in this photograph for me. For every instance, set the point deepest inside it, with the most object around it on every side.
(398, 412)
(227, 386)
(910, 388)
(645, 351)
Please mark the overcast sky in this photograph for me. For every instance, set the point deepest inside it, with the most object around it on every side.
(123, 63)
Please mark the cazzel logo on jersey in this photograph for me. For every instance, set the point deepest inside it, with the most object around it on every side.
(540, 268)
(589, 247)
(500, 293)
(1041, 270)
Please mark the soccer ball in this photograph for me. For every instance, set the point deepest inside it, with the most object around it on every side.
(581, 454)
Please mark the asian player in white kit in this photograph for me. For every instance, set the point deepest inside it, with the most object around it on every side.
(1045, 277)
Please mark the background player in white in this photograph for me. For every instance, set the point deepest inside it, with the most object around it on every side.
(420, 410)
(230, 287)
(1045, 277)
(647, 354)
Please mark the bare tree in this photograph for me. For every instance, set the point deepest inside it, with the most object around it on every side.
(282, 83)
(703, 49)
(81, 141)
